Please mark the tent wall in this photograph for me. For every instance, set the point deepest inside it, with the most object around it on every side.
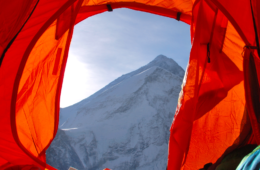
(209, 94)
(216, 118)
(11, 149)
(37, 91)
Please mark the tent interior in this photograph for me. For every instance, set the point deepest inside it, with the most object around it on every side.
(218, 107)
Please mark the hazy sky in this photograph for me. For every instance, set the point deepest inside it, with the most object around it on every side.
(111, 44)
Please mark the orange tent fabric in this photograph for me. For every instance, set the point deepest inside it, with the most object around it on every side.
(218, 105)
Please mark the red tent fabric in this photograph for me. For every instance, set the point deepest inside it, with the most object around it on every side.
(218, 107)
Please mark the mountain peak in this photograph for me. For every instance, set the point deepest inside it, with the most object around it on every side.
(161, 61)
(161, 57)
(167, 64)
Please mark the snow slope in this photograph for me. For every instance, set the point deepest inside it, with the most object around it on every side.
(125, 125)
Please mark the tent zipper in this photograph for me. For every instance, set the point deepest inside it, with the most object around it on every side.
(255, 28)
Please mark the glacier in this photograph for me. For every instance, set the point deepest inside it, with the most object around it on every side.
(123, 126)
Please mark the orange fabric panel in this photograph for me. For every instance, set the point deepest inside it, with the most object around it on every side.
(35, 108)
(37, 102)
(185, 114)
(210, 115)
(10, 148)
(240, 15)
(217, 130)
(233, 46)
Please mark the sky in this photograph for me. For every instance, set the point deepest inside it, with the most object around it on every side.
(110, 44)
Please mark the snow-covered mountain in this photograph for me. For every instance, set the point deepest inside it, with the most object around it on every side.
(124, 126)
